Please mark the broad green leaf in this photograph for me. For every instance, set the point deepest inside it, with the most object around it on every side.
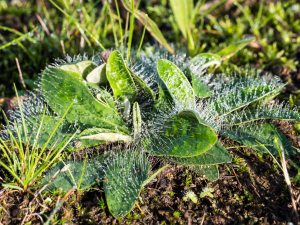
(98, 75)
(234, 48)
(216, 155)
(201, 90)
(183, 135)
(247, 116)
(264, 133)
(137, 121)
(119, 78)
(93, 170)
(242, 98)
(151, 25)
(48, 126)
(82, 68)
(65, 130)
(60, 88)
(144, 91)
(164, 101)
(204, 60)
(105, 135)
(210, 172)
(176, 83)
(123, 182)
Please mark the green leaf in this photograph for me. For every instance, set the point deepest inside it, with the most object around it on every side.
(98, 75)
(176, 83)
(204, 60)
(60, 88)
(150, 26)
(144, 91)
(216, 155)
(209, 172)
(82, 68)
(93, 170)
(247, 116)
(201, 90)
(119, 78)
(242, 97)
(105, 135)
(229, 51)
(183, 135)
(165, 100)
(48, 126)
(183, 11)
(124, 178)
(262, 132)
(137, 121)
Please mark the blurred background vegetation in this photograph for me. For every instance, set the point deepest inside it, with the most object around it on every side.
(37, 32)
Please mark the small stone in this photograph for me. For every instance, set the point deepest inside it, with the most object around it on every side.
(77, 144)
(105, 55)
(15, 212)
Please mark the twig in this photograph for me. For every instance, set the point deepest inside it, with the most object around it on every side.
(58, 207)
(140, 208)
(81, 22)
(203, 218)
(42, 23)
(58, 199)
(288, 182)
(23, 221)
(236, 177)
(63, 46)
(20, 74)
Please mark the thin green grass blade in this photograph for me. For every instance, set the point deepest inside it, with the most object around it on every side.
(229, 51)
(151, 26)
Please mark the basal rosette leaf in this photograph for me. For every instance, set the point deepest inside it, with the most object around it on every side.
(216, 155)
(98, 75)
(105, 135)
(182, 135)
(241, 98)
(209, 172)
(119, 78)
(60, 88)
(137, 121)
(94, 170)
(146, 95)
(176, 83)
(125, 175)
(48, 126)
(253, 134)
(204, 60)
(194, 71)
(247, 116)
(64, 131)
(82, 68)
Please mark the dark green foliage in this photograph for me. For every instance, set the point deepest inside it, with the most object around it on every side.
(94, 170)
(124, 179)
(254, 133)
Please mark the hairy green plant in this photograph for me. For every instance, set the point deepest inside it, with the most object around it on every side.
(151, 109)
(27, 163)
